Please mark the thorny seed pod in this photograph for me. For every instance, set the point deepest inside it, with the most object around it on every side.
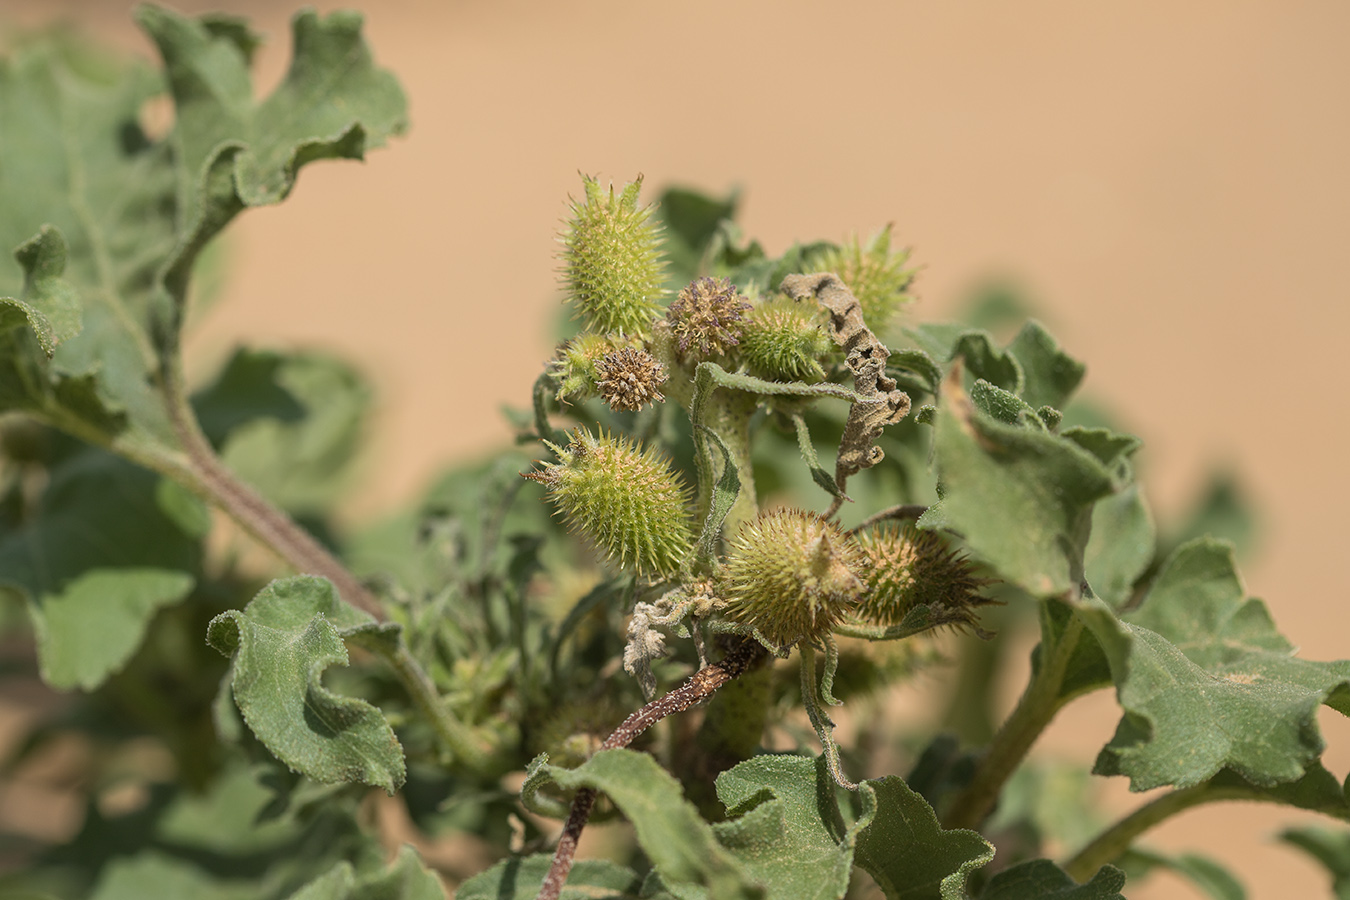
(791, 575)
(706, 318)
(629, 379)
(875, 275)
(625, 501)
(612, 266)
(574, 366)
(783, 341)
(907, 567)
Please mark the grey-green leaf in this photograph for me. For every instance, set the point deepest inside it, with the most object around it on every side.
(405, 879)
(1021, 497)
(1207, 682)
(1121, 546)
(1040, 879)
(909, 854)
(281, 644)
(91, 582)
(1051, 375)
(1328, 847)
(518, 878)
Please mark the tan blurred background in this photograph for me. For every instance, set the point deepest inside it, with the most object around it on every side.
(1168, 181)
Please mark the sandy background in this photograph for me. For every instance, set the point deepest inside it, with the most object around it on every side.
(1168, 181)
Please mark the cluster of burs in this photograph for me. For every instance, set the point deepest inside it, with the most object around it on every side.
(788, 576)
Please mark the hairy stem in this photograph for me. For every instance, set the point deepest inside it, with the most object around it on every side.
(700, 686)
(1114, 841)
(1034, 711)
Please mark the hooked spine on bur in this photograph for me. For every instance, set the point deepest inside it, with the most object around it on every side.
(907, 567)
(792, 576)
(613, 267)
(624, 500)
(783, 340)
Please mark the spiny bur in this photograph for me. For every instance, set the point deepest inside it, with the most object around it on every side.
(630, 379)
(783, 341)
(792, 576)
(612, 263)
(574, 366)
(874, 274)
(625, 501)
(907, 567)
(706, 318)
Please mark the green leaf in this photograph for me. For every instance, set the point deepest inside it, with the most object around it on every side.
(1207, 682)
(1003, 406)
(690, 220)
(1040, 879)
(818, 474)
(1328, 847)
(920, 364)
(109, 222)
(1022, 498)
(405, 879)
(946, 342)
(1121, 546)
(1051, 375)
(724, 494)
(518, 878)
(92, 582)
(152, 874)
(909, 854)
(788, 833)
(1206, 874)
(281, 645)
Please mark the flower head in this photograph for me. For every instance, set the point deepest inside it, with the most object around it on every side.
(706, 318)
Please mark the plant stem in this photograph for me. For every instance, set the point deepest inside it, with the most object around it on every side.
(1034, 711)
(206, 475)
(1114, 841)
(700, 686)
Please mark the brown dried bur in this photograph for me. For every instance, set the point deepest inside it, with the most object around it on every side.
(629, 379)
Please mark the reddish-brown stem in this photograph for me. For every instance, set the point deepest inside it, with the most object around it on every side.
(700, 686)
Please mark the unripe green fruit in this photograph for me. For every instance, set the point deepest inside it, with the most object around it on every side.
(792, 576)
(874, 274)
(625, 501)
(907, 567)
(612, 264)
(575, 365)
(783, 340)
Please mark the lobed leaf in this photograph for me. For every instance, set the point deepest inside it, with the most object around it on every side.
(91, 582)
(281, 644)
(1208, 683)
(1040, 879)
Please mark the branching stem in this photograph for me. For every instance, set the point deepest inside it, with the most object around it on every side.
(700, 686)
(1034, 711)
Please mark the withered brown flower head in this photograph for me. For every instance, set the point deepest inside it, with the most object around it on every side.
(629, 379)
(706, 317)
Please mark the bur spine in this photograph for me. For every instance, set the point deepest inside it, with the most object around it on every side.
(707, 319)
(907, 567)
(874, 273)
(625, 501)
(783, 341)
(791, 576)
(613, 267)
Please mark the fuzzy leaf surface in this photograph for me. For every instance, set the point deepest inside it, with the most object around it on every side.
(281, 644)
(1208, 683)
(1040, 879)
(109, 222)
(92, 583)
(1021, 497)
(680, 844)
(909, 854)
(518, 878)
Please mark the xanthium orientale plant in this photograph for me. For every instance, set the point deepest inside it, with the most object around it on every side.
(661, 621)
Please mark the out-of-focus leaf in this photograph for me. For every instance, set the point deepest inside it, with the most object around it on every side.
(91, 580)
(1328, 847)
(405, 879)
(1051, 375)
(1040, 879)
(1207, 682)
(1121, 546)
(519, 878)
(1021, 497)
(1206, 874)
(281, 644)
(690, 221)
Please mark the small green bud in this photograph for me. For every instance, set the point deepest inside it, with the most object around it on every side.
(783, 341)
(907, 567)
(612, 265)
(629, 379)
(625, 501)
(791, 575)
(575, 365)
(706, 319)
(874, 274)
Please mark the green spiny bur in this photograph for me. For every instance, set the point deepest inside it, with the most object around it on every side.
(907, 567)
(874, 273)
(782, 341)
(612, 262)
(624, 500)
